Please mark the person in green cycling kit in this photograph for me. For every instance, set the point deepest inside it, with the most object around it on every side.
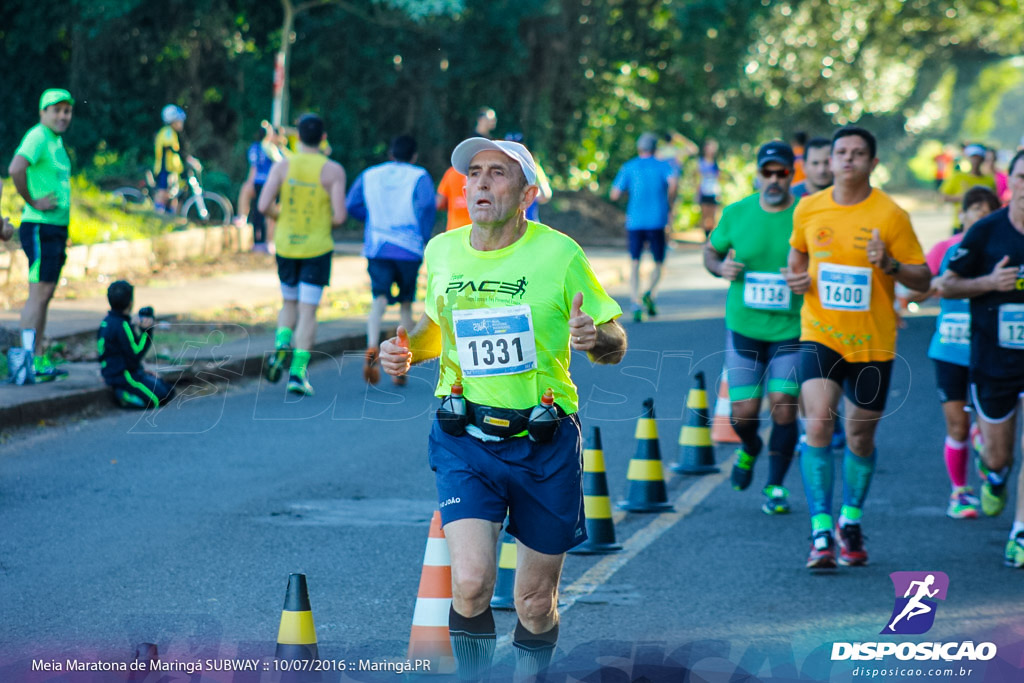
(507, 301)
(749, 248)
(41, 171)
(988, 268)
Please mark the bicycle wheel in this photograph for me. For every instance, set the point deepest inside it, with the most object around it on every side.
(209, 208)
(130, 198)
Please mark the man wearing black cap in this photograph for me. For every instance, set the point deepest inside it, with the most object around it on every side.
(41, 171)
(749, 248)
(507, 300)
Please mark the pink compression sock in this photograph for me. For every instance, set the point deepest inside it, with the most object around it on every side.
(956, 462)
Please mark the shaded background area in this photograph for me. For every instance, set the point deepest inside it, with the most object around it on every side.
(581, 77)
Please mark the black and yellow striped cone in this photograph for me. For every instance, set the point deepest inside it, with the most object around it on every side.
(296, 638)
(647, 491)
(504, 586)
(696, 452)
(596, 504)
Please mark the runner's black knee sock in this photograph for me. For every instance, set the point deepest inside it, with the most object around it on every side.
(533, 650)
(473, 640)
(781, 444)
(747, 431)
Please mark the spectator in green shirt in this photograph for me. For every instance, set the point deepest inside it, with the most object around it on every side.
(41, 171)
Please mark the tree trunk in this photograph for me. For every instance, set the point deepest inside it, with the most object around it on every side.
(280, 109)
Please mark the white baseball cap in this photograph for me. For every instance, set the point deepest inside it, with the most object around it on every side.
(464, 152)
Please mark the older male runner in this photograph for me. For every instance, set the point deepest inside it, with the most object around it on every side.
(507, 301)
(749, 248)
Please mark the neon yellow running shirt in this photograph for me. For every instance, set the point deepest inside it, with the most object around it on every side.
(304, 226)
(504, 315)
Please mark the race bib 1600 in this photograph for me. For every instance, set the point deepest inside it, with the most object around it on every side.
(844, 288)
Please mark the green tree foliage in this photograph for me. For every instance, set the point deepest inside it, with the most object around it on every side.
(581, 78)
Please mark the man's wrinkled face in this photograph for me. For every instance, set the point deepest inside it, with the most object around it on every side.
(495, 188)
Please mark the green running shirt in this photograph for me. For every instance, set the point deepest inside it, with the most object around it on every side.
(49, 172)
(761, 240)
(504, 315)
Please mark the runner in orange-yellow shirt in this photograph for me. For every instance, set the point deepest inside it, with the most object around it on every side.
(451, 197)
(850, 246)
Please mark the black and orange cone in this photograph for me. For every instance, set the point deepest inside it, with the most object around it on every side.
(296, 637)
(429, 638)
(647, 490)
(504, 586)
(697, 453)
(596, 504)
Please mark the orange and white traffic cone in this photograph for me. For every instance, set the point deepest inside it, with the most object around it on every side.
(721, 424)
(429, 638)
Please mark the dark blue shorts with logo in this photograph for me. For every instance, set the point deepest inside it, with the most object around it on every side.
(540, 484)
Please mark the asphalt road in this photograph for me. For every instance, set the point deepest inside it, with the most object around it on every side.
(181, 528)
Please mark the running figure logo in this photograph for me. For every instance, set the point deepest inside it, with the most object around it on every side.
(916, 593)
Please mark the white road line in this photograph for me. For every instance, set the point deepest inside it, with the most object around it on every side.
(601, 572)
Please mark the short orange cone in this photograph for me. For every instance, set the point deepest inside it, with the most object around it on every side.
(721, 425)
(429, 638)
(296, 637)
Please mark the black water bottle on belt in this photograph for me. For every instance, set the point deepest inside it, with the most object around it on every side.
(453, 416)
(543, 419)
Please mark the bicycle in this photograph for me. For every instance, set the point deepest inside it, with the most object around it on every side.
(202, 206)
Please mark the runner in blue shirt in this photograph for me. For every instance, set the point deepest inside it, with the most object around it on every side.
(651, 185)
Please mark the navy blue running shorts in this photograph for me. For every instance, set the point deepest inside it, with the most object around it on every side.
(655, 238)
(385, 272)
(45, 246)
(540, 484)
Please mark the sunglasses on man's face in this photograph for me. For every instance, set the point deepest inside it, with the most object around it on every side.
(775, 173)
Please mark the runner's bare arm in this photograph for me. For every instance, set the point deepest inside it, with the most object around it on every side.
(424, 343)
(18, 170)
(1003, 278)
(267, 201)
(917, 277)
(797, 277)
(332, 177)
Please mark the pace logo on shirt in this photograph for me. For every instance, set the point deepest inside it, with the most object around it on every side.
(1019, 285)
(823, 237)
(460, 285)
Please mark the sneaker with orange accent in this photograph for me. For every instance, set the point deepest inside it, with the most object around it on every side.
(371, 368)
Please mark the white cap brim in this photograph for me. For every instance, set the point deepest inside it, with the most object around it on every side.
(464, 152)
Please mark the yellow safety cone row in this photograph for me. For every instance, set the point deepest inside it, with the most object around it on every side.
(647, 490)
(697, 453)
(596, 504)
